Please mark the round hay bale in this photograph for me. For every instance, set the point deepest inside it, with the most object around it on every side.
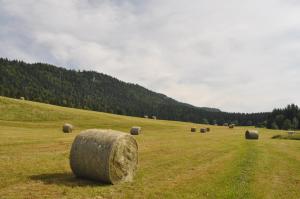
(135, 130)
(252, 134)
(203, 130)
(67, 128)
(208, 129)
(146, 116)
(104, 155)
(193, 129)
(22, 98)
(154, 117)
(231, 126)
(225, 124)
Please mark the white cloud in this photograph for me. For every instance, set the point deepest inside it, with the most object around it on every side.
(234, 55)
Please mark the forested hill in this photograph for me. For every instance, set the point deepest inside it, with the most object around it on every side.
(99, 92)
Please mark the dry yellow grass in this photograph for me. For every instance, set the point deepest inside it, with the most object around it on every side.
(173, 162)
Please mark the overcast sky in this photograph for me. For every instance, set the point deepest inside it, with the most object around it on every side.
(241, 56)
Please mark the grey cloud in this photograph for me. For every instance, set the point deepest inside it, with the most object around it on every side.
(234, 55)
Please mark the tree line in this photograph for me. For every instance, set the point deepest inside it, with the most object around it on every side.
(286, 119)
(99, 92)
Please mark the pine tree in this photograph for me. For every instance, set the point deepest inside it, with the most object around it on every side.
(287, 124)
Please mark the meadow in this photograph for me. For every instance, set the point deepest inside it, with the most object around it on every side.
(173, 162)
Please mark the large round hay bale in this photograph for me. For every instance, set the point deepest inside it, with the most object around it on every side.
(251, 134)
(154, 117)
(135, 130)
(231, 126)
(22, 98)
(193, 129)
(208, 129)
(67, 128)
(203, 130)
(146, 116)
(104, 155)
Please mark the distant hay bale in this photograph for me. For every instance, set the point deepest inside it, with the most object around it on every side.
(231, 126)
(146, 116)
(135, 130)
(22, 98)
(252, 134)
(67, 128)
(208, 129)
(154, 117)
(104, 155)
(225, 124)
(203, 130)
(193, 129)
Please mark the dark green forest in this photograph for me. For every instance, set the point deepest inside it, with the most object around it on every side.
(99, 92)
(287, 118)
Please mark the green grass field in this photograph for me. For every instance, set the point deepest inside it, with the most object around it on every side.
(173, 162)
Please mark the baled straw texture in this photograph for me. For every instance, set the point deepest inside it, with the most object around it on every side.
(67, 128)
(203, 130)
(136, 130)
(104, 155)
(252, 134)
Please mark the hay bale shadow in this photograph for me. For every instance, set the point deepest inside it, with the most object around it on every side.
(66, 179)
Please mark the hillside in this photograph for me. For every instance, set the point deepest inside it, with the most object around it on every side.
(95, 91)
(173, 163)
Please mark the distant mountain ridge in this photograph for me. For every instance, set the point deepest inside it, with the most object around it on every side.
(100, 92)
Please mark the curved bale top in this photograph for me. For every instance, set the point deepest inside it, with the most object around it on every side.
(136, 130)
(104, 155)
(67, 128)
(252, 134)
(203, 130)
(193, 129)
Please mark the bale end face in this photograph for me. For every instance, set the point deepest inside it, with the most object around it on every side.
(136, 130)
(193, 129)
(67, 128)
(251, 135)
(104, 155)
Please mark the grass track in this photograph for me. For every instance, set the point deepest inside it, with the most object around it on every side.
(173, 163)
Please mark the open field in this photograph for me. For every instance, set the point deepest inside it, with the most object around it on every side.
(173, 162)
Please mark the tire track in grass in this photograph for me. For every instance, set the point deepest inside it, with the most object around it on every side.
(278, 171)
(237, 178)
